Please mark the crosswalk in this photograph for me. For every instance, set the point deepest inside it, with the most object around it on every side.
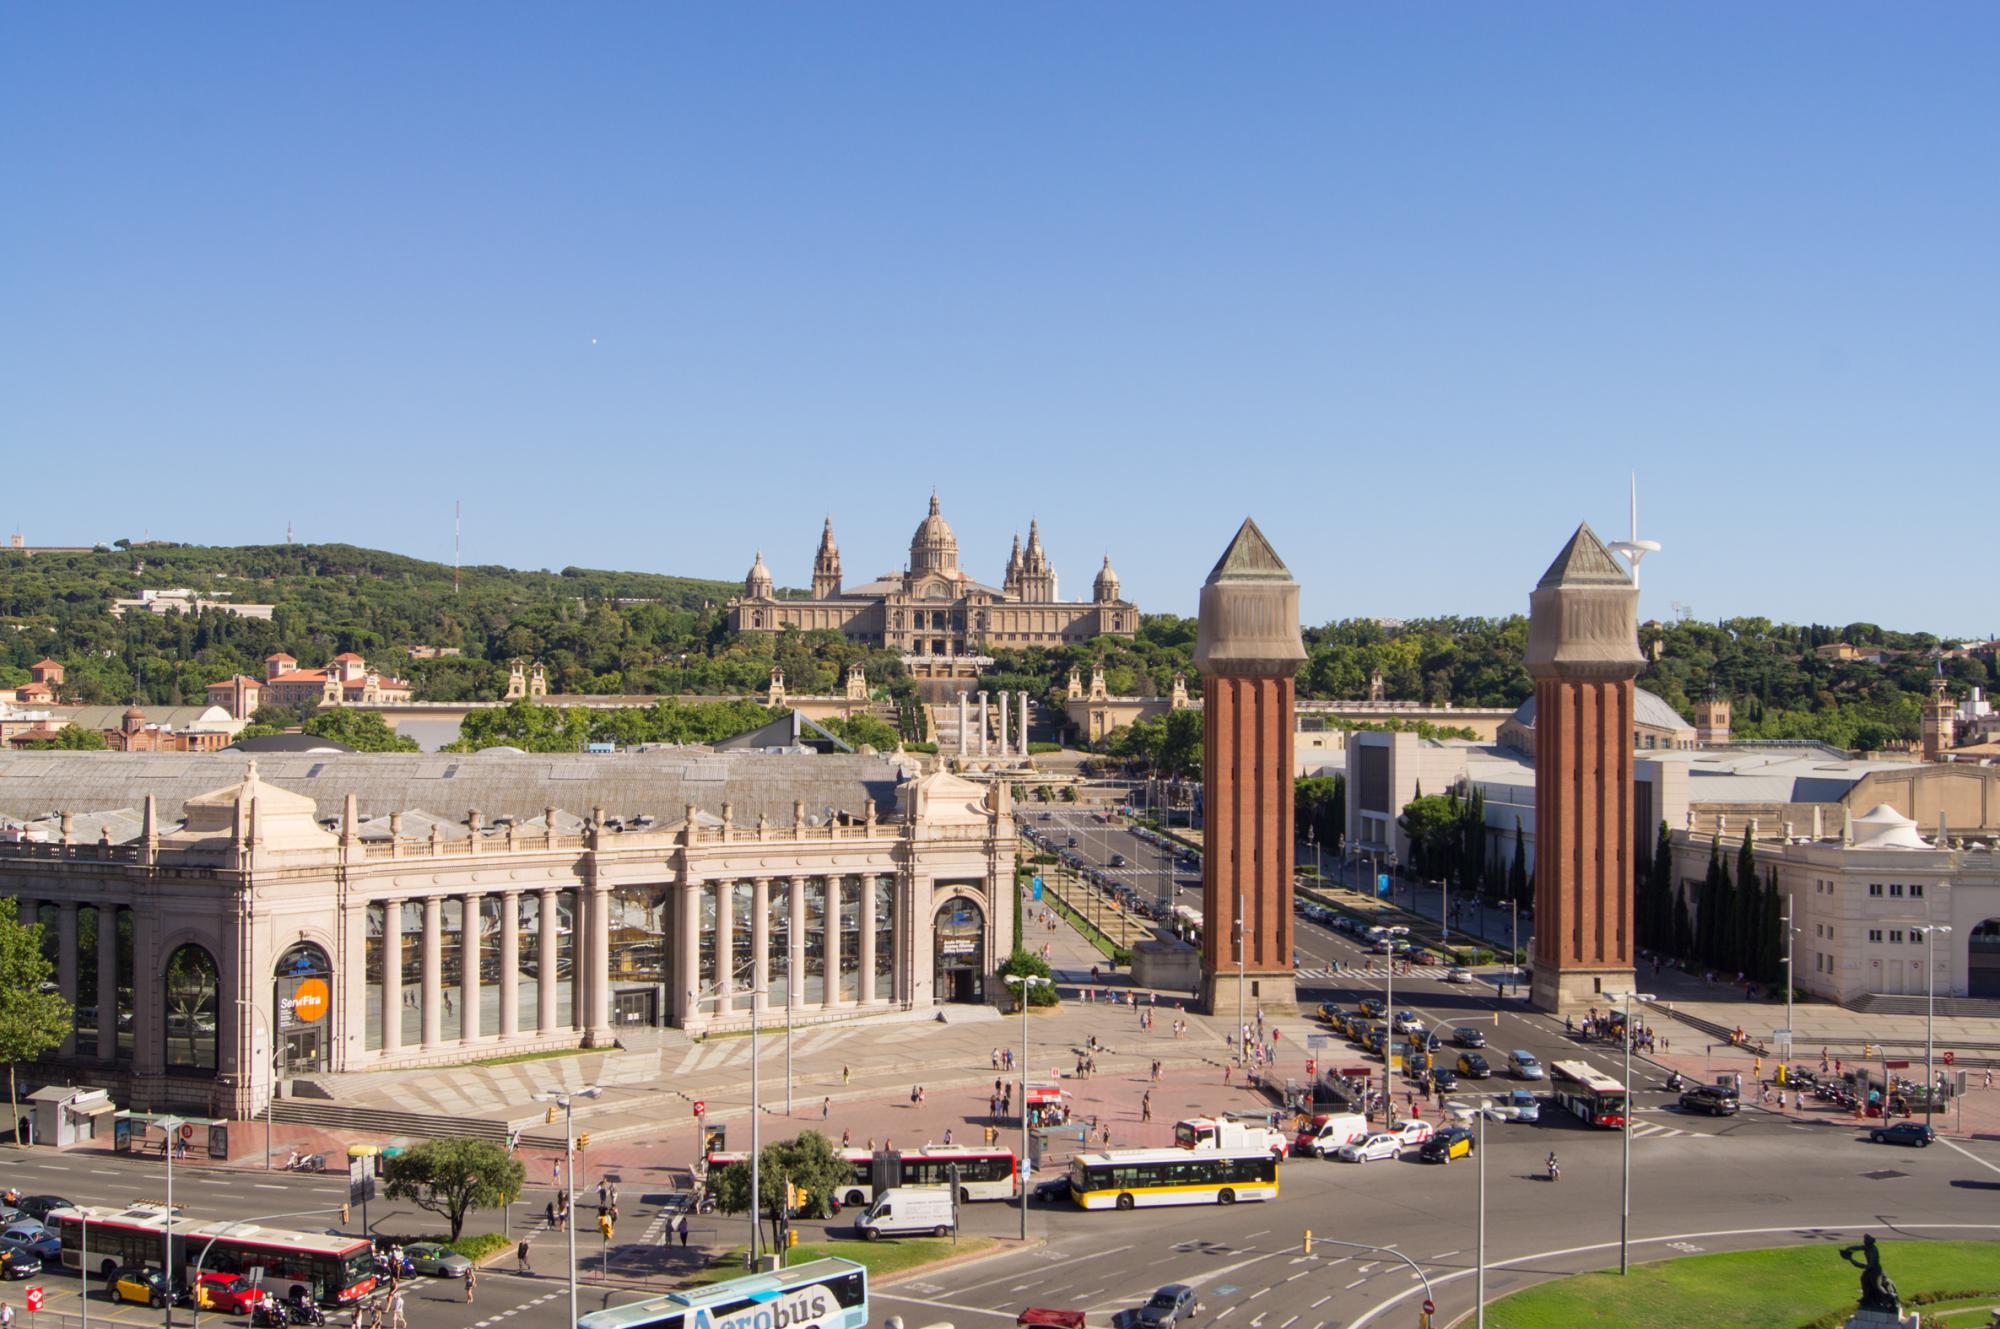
(1351, 971)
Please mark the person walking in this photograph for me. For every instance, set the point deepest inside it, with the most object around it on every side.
(683, 1230)
(471, 1281)
(1146, 1106)
(826, 1109)
(396, 1320)
(521, 1258)
(844, 1076)
(6, 1315)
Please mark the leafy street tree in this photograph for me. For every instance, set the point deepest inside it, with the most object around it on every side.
(71, 738)
(862, 730)
(364, 731)
(808, 1162)
(453, 1177)
(32, 1021)
(1025, 962)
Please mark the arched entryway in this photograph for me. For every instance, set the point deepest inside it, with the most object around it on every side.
(192, 986)
(302, 995)
(959, 950)
(1982, 962)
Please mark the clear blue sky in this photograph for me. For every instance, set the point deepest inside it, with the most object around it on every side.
(649, 286)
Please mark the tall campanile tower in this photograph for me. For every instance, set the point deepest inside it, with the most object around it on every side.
(1583, 652)
(1248, 649)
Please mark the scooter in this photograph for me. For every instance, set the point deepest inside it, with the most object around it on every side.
(1675, 1081)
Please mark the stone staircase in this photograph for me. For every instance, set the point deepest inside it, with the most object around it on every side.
(384, 1122)
(1880, 1003)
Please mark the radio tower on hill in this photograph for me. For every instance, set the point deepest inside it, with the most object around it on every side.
(1635, 549)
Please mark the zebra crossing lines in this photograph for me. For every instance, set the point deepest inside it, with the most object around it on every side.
(491, 1320)
(1326, 971)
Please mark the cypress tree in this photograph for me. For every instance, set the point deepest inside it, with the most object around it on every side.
(1749, 903)
(1517, 872)
(1660, 884)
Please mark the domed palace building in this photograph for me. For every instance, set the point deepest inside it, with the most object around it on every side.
(933, 608)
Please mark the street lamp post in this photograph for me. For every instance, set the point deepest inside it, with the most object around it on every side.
(566, 1100)
(171, 1126)
(1479, 1264)
(1930, 931)
(1625, 1188)
(271, 1063)
(1026, 983)
(1242, 1025)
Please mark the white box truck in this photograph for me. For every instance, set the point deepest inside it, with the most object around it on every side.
(909, 1211)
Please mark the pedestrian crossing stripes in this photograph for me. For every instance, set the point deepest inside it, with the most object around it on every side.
(1350, 971)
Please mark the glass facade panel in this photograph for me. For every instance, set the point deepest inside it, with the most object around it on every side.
(742, 948)
(489, 964)
(885, 938)
(413, 973)
(191, 989)
(528, 986)
(451, 969)
(86, 980)
(848, 920)
(638, 942)
(814, 987)
(566, 960)
(706, 946)
(126, 1009)
(375, 947)
(780, 960)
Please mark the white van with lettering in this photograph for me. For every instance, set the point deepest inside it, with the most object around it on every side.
(909, 1211)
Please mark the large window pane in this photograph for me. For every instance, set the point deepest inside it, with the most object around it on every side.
(885, 938)
(191, 988)
(528, 991)
(815, 945)
(127, 1016)
(638, 950)
(489, 964)
(566, 960)
(742, 946)
(376, 948)
(706, 947)
(780, 961)
(849, 922)
(451, 969)
(413, 972)
(86, 980)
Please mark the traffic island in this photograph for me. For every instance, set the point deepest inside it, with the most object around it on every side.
(1790, 1287)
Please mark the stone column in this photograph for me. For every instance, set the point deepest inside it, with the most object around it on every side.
(510, 964)
(107, 982)
(866, 990)
(760, 943)
(66, 967)
(1003, 724)
(725, 946)
(982, 724)
(392, 977)
(964, 725)
(594, 952)
(433, 989)
(795, 960)
(468, 969)
(547, 946)
(689, 946)
(830, 911)
(1022, 736)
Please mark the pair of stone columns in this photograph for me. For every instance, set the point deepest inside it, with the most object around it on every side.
(471, 928)
(967, 727)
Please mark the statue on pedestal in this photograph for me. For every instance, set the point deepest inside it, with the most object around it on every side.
(1878, 1293)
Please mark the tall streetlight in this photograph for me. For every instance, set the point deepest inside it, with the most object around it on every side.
(566, 1100)
(1026, 983)
(171, 1126)
(1479, 1276)
(271, 1062)
(1930, 931)
(1790, 978)
(1625, 1189)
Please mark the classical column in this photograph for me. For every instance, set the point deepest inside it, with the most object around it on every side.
(725, 946)
(866, 991)
(795, 960)
(982, 724)
(107, 982)
(687, 945)
(468, 969)
(964, 725)
(433, 969)
(548, 947)
(595, 951)
(1021, 737)
(66, 966)
(1003, 724)
(830, 912)
(392, 977)
(760, 944)
(510, 963)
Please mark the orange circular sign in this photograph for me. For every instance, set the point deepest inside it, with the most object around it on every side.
(309, 1003)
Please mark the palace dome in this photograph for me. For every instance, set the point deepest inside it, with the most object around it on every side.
(934, 548)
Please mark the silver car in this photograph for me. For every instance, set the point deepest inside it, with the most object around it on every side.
(438, 1261)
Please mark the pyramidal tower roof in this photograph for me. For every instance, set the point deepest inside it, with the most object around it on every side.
(1251, 558)
(1584, 561)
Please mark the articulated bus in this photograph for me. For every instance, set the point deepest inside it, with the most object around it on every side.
(983, 1173)
(1595, 1098)
(819, 1294)
(332, 1269)
(1127, 1178)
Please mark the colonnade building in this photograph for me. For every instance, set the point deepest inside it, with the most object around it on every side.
(201, 910)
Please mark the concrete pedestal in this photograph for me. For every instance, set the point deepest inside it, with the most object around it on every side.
(1168, 964)
(1574, 991)
(1884, 1320)
(1274, 994)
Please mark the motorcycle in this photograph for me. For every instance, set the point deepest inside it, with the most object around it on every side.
(269, 1313)
(1555, 1172)
(1675, 1081)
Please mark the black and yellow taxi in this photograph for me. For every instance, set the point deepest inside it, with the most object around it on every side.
(1373, 1008)
(19, 1264)
(143, 1287)
(1473, 1066)
(1447, 1144)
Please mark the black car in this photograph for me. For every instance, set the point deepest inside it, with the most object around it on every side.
(1710, 1098)
(18, 1264)
(1118, 860)
(1447, 1144)
(1072, 842)
(1170, 1306)
(1468, 1037)
(1913, 1133)
(1444, 1078)
(1053, 1190)
(39, 1207)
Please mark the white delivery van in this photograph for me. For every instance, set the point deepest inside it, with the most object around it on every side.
(908, 1211)
(1338, 1129)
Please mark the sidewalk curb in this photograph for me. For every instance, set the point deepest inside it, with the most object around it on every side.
(1001, 1246)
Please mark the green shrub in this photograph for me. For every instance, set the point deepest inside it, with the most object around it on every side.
(480, 1245)
(1035, 749)
(920, 747)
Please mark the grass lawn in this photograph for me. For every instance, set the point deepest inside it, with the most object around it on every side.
(878, 1257)
(1785, 1288)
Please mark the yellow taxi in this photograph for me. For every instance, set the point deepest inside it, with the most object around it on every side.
(144, 1287)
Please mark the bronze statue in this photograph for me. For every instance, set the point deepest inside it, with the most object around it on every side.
(1878, 1293)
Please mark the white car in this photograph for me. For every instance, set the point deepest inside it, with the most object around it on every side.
(1407, 1022)
(1373, 1147)
(1414, 1131)
(1524, 1065)
(1457, 974)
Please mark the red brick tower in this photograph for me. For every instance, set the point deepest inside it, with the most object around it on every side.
(1248, 649)
(1583, 651)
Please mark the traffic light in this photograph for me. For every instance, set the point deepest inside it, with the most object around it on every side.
(583, 1140)
(549, 1117)
(343, 1215)
(604, 1225)
(791, 1198)
(791, 1238)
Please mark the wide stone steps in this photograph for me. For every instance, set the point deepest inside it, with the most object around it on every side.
(1881, 1003)
(385, 1122)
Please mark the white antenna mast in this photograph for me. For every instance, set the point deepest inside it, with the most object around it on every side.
(1635, 549)
(456, 544)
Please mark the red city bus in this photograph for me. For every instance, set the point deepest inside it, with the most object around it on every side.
(1595, 1098)
(330, 1268)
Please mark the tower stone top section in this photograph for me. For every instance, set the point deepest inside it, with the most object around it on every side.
(934, 548)
(1583, 616)
(826, 565)
(1249, 612)
(757, 585)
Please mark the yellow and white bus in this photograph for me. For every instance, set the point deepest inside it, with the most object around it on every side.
(1127, 1178)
